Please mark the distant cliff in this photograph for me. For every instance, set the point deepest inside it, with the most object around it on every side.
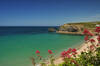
(77, 28)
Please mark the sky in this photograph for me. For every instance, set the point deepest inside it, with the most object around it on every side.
(47, 12)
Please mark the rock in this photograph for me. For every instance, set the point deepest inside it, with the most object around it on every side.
(51, 29)
(72, 29)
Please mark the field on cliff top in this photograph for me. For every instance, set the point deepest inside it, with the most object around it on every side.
(86, 24)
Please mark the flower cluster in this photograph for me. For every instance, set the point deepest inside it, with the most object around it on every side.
(87, 34)
(86, 38)
(70, 52)
(49, 51)
(37, 52)
(85, 31)
(91, 47)
(92, 40)
(98, 38)
(97, 29)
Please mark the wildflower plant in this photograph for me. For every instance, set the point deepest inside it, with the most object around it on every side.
(51, 58)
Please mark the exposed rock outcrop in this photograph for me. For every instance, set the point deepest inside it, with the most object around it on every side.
(51, 29)
(70, 28)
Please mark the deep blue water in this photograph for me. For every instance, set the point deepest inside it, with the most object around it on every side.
(9, 30)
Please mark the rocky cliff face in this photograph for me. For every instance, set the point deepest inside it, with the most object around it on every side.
(71, 28)
(77, 28)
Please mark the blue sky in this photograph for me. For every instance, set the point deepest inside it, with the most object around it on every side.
(47, 12)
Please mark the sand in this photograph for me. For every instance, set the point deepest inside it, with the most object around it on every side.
(82, 47)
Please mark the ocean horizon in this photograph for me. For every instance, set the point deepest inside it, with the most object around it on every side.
(18, 44)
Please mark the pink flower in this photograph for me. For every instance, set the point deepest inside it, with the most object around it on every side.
(68, 56)
(97, 29)
(68, 52)
(90, 34)
(91, 47)
(86, 38)
(85, 31)
(74, 50)
(63, 54)
(74, 53)
(37, 52)
(98, 38)
(92, 40)
(70, 49)
(50, 52)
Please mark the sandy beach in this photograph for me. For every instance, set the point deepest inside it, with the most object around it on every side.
(82, 47)
(70, 33)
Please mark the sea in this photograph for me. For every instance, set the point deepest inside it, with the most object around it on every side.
(19, 43)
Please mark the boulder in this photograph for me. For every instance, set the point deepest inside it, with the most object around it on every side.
(72, 29)
(51, 29)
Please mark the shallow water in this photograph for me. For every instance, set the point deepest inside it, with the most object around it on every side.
(16, 49)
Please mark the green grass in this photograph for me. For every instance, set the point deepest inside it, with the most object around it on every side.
(86, 24)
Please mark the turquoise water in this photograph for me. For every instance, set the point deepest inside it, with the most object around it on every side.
(16, 50)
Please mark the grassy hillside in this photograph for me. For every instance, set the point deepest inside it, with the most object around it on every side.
(86, 24)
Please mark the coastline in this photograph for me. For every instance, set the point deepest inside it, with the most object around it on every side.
(80, 48)
(70, 33)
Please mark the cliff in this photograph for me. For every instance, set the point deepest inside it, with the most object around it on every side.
(77, 28)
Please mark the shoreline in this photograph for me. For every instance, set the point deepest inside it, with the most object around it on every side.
(69, 33)
(80, 48)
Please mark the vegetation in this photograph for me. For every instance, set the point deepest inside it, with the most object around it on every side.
(90, 57)
(86, 24)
